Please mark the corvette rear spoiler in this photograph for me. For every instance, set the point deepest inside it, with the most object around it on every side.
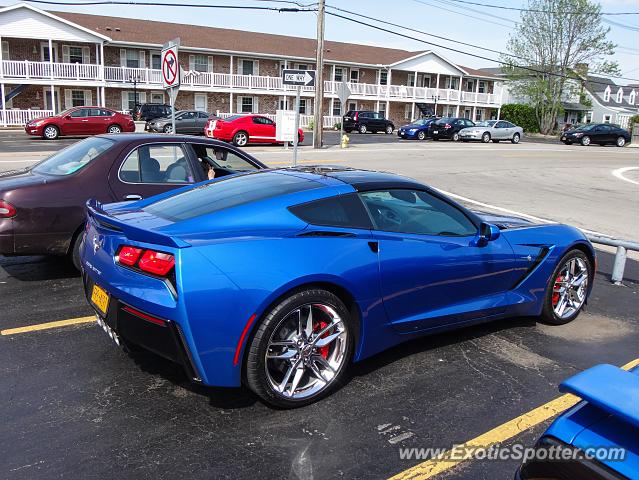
(96, 212)
(609, 388)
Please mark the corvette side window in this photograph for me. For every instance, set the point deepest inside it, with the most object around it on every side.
(341, 211)
(416, 212)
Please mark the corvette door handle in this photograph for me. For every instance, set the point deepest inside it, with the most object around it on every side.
(133, 197)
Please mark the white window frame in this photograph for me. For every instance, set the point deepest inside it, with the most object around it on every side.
(87, 97)
(382, 109)
(159, 56)
(302, 66)
(352, 105)
(483, 87)
(607, 118)
(206, 100)
(254, 104)
(124, 57)
(408, 111)
(85, 54)
(632, 97)
(337, 107)
(606, 95)
(342, 73)
(154, 97)
(350, 75)
(200, 63)
(479, 114)
(256, 66)
(620, 95)
(5, 50)
(126, 99)
(44, 50)
(379, 77)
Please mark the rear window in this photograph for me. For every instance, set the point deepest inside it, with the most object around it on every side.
(341, 211)
(444, 121)
(75, 157)
(232, 118)
(228, 193)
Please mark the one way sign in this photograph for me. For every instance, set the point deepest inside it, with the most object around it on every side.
(299, 77)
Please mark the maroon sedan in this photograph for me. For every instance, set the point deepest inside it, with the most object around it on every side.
(42, 208)
(80, 121)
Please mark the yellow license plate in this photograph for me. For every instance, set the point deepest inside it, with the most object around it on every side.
(100, 298)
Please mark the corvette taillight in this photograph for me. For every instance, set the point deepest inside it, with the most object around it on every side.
(157, 263)
(7, 210)
(149, 261)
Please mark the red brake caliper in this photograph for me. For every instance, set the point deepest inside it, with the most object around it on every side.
(556, 287)
(323, 351)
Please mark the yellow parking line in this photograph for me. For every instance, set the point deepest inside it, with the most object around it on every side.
(48, 325)
(506, 431)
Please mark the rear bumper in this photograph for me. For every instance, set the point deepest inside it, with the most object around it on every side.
(134, 327)
(407, 134)
(7, 246)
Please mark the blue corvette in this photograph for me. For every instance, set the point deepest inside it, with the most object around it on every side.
(600, 435)
(418, 130)
(279, 279)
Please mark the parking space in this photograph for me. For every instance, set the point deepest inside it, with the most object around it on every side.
(76, 406)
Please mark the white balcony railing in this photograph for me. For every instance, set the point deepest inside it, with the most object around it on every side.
(13, 117)
(145, 76)
(46, 70)
(305, 120)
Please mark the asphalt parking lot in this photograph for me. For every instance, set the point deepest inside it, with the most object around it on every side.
(75, 406)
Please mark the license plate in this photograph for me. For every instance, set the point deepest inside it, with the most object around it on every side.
(100, 298)
(435, 132)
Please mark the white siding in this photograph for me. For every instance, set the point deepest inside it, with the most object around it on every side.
(26, 23)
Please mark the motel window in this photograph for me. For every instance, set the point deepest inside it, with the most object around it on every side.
(478, 114)
(199, 63)
(303, 105)
(352, 105)
(302, 66)
(383, 77)
(247, 67)
(77, 98)
(339, 74)
(337, 108)
(75, 55)
(354, 76)
(408, 111)
(382, 109)
(247, 105)
(482, 87)
(5, 50)
(452, 83)
(132, 58)
(156, 60)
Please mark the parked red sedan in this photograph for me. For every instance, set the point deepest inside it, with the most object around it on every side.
(80, 121)
(245, 129)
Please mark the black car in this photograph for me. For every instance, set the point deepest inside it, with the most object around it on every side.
(601, 133)
(149, 111)
(186, 121)
(365, 121)
(448, 128)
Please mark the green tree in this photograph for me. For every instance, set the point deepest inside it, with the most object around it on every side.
(553, 40)
(522, 115)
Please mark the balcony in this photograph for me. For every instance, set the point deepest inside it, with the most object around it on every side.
(50, 71)
(113, 75)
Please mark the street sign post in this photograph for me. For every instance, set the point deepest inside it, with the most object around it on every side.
(343, 92)
(298, 78)
(171, 73)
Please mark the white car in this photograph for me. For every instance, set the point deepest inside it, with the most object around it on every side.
(494, 130)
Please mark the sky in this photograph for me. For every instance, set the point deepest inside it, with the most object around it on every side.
(477, 25)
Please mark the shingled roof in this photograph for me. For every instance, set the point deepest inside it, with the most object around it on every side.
(153, 32)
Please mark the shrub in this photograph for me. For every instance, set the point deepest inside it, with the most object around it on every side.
(337, 126)
(522, 115)
(311, 124)
(634, 120)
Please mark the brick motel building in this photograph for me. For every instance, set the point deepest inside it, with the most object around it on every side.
(51, 61)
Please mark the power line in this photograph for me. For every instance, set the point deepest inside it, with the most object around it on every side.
(621, 25)
(460, 13)
(171, 4)
(534, 10)
(530, 69)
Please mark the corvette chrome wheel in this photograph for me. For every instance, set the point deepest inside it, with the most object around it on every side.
(306, 351)
(570, 288)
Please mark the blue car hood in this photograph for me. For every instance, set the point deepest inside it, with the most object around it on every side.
(504, 221)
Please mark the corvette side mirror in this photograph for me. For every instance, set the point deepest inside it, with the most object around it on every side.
(487, 233)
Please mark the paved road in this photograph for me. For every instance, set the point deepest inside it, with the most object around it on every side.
(76, 407)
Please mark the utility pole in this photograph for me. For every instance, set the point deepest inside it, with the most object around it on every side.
(319, 79)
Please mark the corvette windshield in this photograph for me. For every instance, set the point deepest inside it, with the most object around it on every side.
(228, 193)
(75, 157)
